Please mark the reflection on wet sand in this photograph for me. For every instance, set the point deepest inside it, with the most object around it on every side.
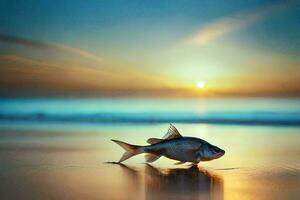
(37, 167)
(180, 183)
(190, 183)
(132, 185)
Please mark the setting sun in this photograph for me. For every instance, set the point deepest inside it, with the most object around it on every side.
(200, 84)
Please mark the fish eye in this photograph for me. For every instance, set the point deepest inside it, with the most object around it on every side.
(216, 150)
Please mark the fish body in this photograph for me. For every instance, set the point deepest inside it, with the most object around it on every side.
(174, 146)
(182, 149)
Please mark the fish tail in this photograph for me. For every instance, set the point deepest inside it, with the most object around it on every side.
(130, 150)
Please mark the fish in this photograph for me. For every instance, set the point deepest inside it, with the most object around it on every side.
(173, 146)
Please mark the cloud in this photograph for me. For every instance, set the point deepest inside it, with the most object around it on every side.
(19, 59)
(235, 22)
(51, 46)
(25, 75)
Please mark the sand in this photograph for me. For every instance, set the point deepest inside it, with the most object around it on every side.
(61, 161)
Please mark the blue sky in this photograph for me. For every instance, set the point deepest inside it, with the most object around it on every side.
(164, 44)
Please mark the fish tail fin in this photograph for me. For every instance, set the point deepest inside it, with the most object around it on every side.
(130, 150)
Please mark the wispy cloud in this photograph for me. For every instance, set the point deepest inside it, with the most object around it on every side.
(20, 59)
(42, 76)
(235, 22)
(49, 45)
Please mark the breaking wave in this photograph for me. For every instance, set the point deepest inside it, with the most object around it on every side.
(238, 118)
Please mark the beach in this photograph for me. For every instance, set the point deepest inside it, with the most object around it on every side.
(67, 161)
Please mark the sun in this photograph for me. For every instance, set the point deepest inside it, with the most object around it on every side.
(200, 84)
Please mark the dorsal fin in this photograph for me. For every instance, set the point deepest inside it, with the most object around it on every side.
(154, 140)
(172, 133)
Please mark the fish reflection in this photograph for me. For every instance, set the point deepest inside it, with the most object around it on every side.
(131, 174)
(191, 183)
(131, 182)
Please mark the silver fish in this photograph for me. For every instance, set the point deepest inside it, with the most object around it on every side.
(173, 146)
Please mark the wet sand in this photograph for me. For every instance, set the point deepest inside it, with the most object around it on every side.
(53, 161)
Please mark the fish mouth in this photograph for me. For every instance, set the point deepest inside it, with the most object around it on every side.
(220, 154)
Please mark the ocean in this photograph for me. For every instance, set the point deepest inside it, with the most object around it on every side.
(248, 111)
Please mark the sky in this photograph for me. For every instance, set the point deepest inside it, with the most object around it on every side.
(150, 47)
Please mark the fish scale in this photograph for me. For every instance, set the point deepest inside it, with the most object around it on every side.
(182, 148)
